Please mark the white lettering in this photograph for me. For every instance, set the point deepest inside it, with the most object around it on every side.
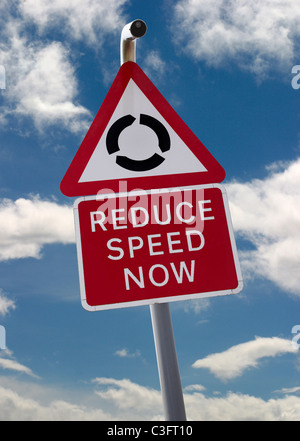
(139, 216)
(189, 240)
(115, 219)
(95, 220)
(183, 266)
(161, 276)
(173, 242)
(131, 247)
(203, 210)
(155, 245)
(165, 281)
(178, 214)
(152, 245)
(158, 221)
(124, 431)
(120, 250)
(136, 222)
(139, 282)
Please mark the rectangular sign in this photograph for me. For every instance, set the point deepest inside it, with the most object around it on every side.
(155, 246)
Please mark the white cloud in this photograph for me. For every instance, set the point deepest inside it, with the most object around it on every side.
(288, 390)
(260, 36)
(7, 362)
(5, 304)
(26, 225)
(90, 21)
(194, 388)
(154, 65)
(123, 400)
(267, 213)
(241, 407)
(47, 89)
(130, 397)
(124, 353)
(41, 79)
(41, 83)
(19, 407)
(197, 306)
(13, 365)
(234, 361)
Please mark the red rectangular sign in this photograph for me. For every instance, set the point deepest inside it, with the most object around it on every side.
(155, 246)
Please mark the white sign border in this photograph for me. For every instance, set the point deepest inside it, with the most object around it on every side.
(178, 298)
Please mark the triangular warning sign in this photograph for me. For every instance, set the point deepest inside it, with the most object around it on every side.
(137, 137)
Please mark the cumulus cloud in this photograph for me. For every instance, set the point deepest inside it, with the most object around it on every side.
(5, 304)
(91, 22)
(259, 36)
(242, 407)
(41, 81)
(236, 360)
(42, 86)
(18, 407)
(130, 396)
(124, 400)
(267, 213)
(26, 225)
(153, 65)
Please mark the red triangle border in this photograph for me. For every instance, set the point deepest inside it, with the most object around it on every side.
(70, 185)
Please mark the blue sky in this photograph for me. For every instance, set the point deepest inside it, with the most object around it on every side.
(226, 68)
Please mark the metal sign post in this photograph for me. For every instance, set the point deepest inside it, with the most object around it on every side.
(169, 375)
(160, 312)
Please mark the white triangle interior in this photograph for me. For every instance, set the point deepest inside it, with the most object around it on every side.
(139, 142)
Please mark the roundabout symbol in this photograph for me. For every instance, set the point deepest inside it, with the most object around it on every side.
(112, 144)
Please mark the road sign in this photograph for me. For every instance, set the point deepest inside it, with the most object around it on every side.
(155, 246)
(138, 137)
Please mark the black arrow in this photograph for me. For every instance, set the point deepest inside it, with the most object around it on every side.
(140, 166)
(112, 138)
(164, 141)
(112, 142)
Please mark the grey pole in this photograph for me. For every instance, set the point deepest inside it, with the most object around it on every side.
(168, 369)
(169, 375)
